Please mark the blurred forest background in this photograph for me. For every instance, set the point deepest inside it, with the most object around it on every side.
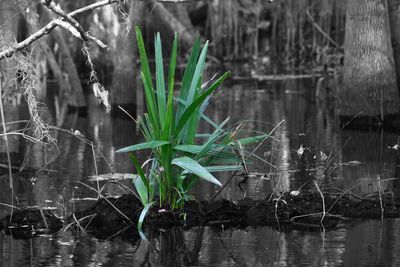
(68, 53)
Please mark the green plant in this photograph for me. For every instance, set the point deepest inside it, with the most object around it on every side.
(179, 155)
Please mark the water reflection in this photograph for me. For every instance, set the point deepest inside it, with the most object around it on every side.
(309, 145)
(367, 243)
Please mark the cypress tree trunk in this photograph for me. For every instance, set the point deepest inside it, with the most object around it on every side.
(77, 98)
(394, 19)
(8, 67)
(124, 78)
(174, 19)
(369, 71)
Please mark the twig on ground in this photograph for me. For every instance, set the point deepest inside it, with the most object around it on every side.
(317, 214)
(323, 201)
(108, 201)
(44, 218)
(276, 212)
(10, 206)
(95, 168)
(380, 196)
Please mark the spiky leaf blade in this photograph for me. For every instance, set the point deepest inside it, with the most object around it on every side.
(194, 167)
(141, 146)
(160, 83)
(142, 216)
(196, 103)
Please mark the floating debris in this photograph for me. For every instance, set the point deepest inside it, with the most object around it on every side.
(300, 151)
(112, 176)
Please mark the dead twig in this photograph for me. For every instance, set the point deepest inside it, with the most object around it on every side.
(211, 199)
(44, 218)
(108, 201)
(380, 196)
(5, 137)
(323, 201)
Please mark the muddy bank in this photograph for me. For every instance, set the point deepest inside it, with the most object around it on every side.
(30, 222)
(305, 211)
(286, 212)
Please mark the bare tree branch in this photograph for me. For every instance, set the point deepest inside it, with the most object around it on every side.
(71, 24)
(49, 27)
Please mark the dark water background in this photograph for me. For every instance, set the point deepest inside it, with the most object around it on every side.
(355, 159)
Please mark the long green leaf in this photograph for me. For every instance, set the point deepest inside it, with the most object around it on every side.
(141, 190)
(221, 168)
(193, 121)
(147, 82)
(141, 146)
(151, 105)
(143, 57)
(169, 121)
(218, 133)
(161, 98)
(192, 166)
(187, 78)
(139, 170)
(253, 139)
(196, 103)
(217, 152)
(198, 73)
(142, 216)
(224, 168)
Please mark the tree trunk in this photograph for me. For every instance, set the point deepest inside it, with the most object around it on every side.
(369, 71)
(45, 52)
(394, 19)
(8, 68)
(180, 12)
(123, 91)
(78, 98)
(172, 21)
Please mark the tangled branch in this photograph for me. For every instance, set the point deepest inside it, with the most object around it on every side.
(9, 52)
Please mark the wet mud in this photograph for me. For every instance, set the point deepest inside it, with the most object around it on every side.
(305, 211)
(30, 222)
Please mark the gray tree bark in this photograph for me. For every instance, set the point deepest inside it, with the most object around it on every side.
(125, 71)
(394, 19)
(369, 70)
(8, 68)
(176, 19)
(77, 98)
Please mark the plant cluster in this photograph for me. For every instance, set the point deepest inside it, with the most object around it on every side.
(180, 156)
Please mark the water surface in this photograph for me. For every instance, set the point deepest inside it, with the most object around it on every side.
(308, 145)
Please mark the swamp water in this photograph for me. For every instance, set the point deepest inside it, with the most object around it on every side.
(309, 144)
